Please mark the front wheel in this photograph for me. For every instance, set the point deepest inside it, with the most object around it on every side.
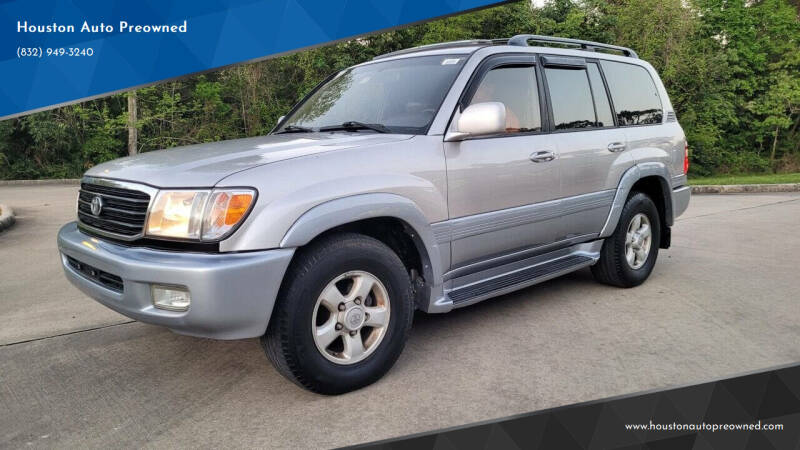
(629, 255)
(343, 314)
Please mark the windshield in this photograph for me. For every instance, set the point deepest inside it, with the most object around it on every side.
(401, 95)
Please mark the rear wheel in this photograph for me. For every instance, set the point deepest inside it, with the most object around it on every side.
(629, 254)
(343, 314)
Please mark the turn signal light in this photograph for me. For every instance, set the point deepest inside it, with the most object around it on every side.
(226, 209)
(237, 207)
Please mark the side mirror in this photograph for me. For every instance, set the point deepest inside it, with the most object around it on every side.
(479, 119)
(280, 119)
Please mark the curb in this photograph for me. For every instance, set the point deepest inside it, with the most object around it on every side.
(744, 188)
(39, 182)
(6, 217)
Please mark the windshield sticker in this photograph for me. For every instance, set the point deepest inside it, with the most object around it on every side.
(449, 61)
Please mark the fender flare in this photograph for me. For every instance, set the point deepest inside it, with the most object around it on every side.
(342, 211)
(628, 179)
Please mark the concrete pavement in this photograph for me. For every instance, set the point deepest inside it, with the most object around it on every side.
(35, 299)
(722, 301)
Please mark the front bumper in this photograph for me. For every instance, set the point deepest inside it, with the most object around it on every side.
(232, 294)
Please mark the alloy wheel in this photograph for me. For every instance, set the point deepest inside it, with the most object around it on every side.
(638, 240)
(351, 317)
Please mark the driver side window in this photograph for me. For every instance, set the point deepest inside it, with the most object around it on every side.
(515, 87)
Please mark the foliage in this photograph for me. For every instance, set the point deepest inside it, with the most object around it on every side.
(731, 68)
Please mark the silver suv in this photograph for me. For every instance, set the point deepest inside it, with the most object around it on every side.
(430, 178)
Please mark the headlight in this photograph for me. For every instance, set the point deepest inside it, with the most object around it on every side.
(204, 215)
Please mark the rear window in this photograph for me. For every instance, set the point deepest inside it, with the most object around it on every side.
(634, 94)
(571, 98)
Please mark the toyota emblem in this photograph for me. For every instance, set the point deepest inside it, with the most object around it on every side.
(97, 206)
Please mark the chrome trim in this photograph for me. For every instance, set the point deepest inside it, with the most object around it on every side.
(616, 147)
(151, 191)
(542, 156)
(109, 208)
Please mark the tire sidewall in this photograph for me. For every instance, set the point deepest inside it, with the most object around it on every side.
(302, 298)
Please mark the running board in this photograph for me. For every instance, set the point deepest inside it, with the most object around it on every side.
(520, 277)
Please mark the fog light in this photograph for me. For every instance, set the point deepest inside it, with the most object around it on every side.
(173, 298)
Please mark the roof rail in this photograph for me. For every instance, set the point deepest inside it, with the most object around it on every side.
(443, 45)
(522, 40)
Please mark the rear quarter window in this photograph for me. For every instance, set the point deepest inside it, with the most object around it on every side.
(634, 94)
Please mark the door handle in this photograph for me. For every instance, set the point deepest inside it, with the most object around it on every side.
(543, 156)
(616, 147)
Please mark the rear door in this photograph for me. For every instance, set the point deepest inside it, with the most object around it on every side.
(503, 189)
(640, 113)
(592, 149)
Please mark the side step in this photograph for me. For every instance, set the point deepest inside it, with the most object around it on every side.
(518, 279)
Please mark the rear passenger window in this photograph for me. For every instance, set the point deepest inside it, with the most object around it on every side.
(634, 94)
(601, 105)
(571, 98)
(515, 87)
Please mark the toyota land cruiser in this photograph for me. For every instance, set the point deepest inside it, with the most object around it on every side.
(430, 178)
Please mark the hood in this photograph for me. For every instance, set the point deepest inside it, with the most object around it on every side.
(204, 165)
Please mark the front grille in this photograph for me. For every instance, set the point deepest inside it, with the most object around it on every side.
(106, 279)
(123, 211)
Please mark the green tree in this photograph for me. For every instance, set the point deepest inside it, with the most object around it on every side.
(730, 66)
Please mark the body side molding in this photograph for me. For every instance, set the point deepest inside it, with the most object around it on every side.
(488, 222)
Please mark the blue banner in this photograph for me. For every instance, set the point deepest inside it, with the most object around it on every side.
(59, 51)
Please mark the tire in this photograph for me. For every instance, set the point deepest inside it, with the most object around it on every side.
(335, 368)
(614, 267)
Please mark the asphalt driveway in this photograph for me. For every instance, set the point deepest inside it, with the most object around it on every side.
(723, 300)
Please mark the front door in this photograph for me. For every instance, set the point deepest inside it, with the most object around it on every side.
(503, 189)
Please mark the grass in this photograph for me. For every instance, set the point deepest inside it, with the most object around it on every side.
(748, 179)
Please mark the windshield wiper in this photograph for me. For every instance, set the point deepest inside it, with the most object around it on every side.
(295, 129)
(353, 125)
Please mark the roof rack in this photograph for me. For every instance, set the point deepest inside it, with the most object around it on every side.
(522, 40)
(443, 45)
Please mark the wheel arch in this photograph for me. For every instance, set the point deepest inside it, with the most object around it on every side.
(652, 178)
(390, 218)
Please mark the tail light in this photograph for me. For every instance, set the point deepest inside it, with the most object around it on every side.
(686, 158)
